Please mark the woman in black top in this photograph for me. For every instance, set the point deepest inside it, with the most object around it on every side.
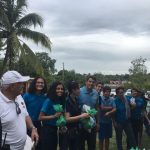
(73, 116)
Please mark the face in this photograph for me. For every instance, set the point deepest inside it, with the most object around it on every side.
(17, 88)
(120, 93)
(107, 93)
(39, 85)
(76, 91)
(59, 90)
(99, 88)
(134, 93)
(90, 83)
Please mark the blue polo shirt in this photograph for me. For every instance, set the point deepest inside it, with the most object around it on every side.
(34, 103)
(106, 102)
(120, 115)
(136, 113)
(89, 98)
(49, 110)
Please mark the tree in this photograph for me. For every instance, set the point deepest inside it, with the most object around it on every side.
(138, 66)
(138, 73)
(13, 25)
(47, 63)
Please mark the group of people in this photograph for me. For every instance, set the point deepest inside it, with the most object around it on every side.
(34, 113)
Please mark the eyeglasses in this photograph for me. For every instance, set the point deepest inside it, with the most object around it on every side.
(40, 82)
(18, 110)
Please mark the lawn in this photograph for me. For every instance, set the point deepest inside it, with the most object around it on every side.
(113, 146)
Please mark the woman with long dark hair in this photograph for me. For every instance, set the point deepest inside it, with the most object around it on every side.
(49, 116)
(34, 100)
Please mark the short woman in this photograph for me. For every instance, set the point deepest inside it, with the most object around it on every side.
(49, 116)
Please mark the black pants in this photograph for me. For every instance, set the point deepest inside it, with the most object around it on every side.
(72, 138)
(126, 127)
(137, 125)
(49, 137)
(88, 136)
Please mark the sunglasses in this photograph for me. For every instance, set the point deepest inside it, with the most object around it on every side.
(18, 110)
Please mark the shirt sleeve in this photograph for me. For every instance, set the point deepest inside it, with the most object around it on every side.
(113, 104)
(45, 106)
(140, 103)
(67, 106)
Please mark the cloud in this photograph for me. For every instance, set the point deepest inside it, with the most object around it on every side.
(95, 35)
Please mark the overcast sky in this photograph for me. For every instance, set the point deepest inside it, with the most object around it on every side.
(95, 35)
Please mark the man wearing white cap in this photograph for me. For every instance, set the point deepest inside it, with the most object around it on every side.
(13, 114)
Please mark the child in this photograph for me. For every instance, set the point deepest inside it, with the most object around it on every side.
(107, 108)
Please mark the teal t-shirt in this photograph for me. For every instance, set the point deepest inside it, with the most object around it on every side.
(34, 103)
(48, 110)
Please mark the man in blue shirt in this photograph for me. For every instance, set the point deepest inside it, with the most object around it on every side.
(90, 97)
(122, 120)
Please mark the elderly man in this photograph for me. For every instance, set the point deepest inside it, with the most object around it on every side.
(13, 114)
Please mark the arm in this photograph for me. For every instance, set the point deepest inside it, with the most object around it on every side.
(75, 118)
(30, 126)
(146, 117)
(42, 116)
(97, 116)
(110, 112)
(106, 108)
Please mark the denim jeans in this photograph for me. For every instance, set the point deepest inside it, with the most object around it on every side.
(126, 127)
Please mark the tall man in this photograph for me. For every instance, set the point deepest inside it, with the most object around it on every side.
(13, 113)
(90, 97)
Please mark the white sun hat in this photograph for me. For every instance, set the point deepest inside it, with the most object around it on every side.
(12, 76)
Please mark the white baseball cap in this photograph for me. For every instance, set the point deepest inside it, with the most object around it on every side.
(13, 77)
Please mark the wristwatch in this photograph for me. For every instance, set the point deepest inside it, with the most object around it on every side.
(32, 127)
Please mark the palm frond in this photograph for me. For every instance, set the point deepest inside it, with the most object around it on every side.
(30, 57)
(29, 20)
(19, 9)
(37, 37)
(21, 3)
(4, 21)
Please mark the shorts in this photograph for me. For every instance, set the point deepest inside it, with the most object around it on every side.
(105, 131)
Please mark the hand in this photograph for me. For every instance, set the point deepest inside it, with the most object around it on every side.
(34, 136)
(85, 115)
(107, 114)
(57, 114)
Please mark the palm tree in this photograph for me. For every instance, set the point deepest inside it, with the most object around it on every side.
(13, 25)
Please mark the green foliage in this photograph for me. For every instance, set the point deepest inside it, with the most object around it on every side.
(67, 76)
(138, 73)
(13, 24)
(47, 63)
(45, 66)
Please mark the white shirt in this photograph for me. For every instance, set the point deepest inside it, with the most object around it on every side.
(12, 123)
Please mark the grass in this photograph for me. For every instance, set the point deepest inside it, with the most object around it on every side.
(113, 146)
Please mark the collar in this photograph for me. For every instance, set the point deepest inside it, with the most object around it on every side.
(87, 91)
(4, 98)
